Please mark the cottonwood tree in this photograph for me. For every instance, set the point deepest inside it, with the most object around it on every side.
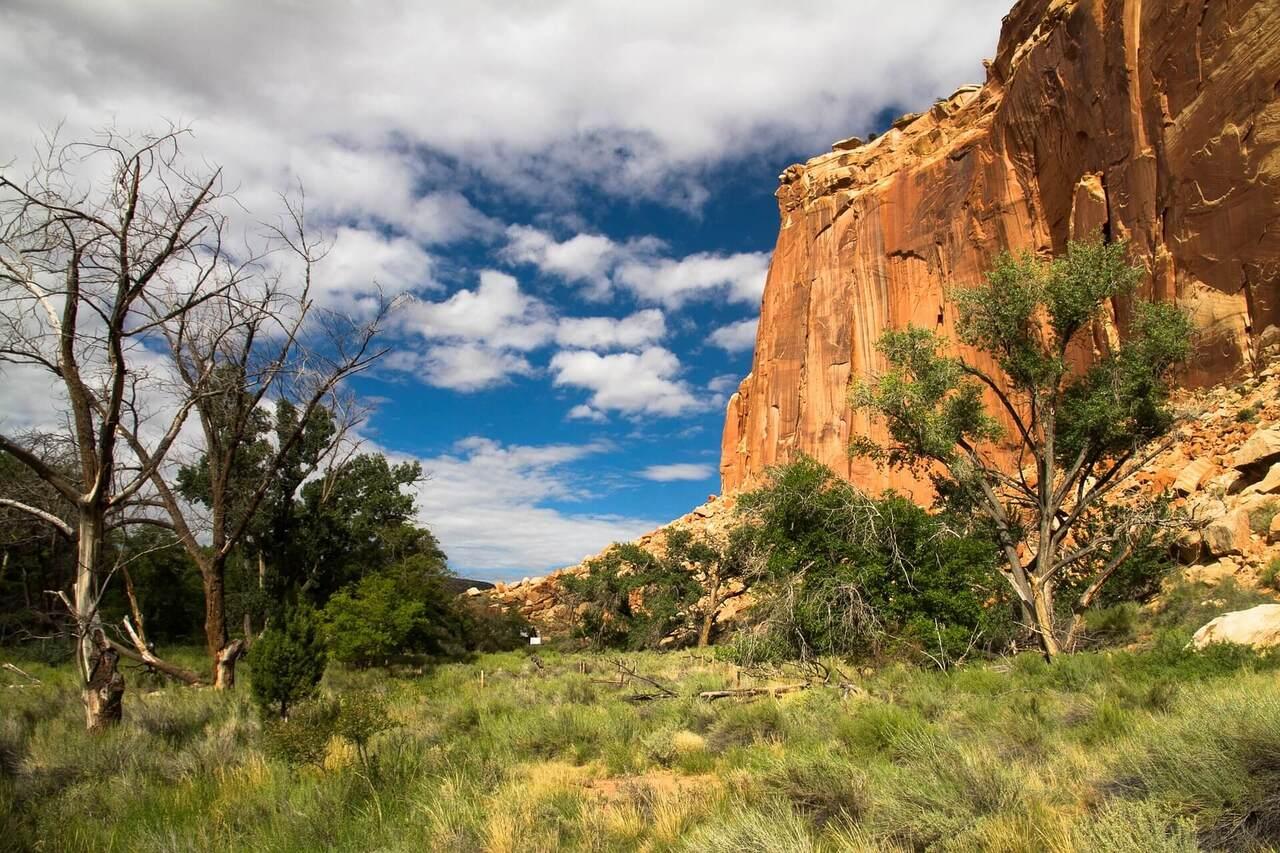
(1080, 432)
(264, 346)
(105, 244)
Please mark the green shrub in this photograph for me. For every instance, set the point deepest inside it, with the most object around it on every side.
(631, 598)
(360, 717)
(1112, 625)
(303, 738)
(820, 788)
(488, 627)
(847, 574)
(1217, 762)
(406, 608)
(1260, 516)
(1249, 413)
(287, 662)
(1135, 827)
(1270, 574)
(368, 622)
(743, 829)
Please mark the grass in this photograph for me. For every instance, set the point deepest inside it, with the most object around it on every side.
(1160, 749)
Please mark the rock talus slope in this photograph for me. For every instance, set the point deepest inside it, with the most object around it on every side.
(1154, 121)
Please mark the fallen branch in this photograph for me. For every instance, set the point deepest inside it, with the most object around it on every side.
(750, 692)
(141, 654)
(847, 689)
(664, 692)
(25, 675)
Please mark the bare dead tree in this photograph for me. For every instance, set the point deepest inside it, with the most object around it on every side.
(106, 242)
(263, 344)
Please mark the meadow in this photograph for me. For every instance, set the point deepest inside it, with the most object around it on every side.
(1148, 748)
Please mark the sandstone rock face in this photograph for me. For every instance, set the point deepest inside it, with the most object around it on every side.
(1258, 627)
(542, 601)
(1156, 122)
(1194, 475)
(1262, 448)
(1228, 534)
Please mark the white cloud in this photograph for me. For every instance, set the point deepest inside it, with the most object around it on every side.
(672, 282)
(583, 258)
(495, 314)
(724, 383)
(605, 333)
(487, 503)
(633, 383)
(736, 337)
(358, 260)
(462, 367)
(639, 266)
(651, 90)
(678, 471)
(583, 412)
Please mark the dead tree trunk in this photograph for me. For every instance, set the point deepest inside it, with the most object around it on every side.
(104, 688)
(709, 616)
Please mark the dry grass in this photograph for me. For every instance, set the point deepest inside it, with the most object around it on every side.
(1160, 750)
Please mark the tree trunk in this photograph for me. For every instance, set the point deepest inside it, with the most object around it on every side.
(224, 665)
(89, 532)
(104, 689)
(709, 618)
(103, 685)
(222, 653)
(1044, 622)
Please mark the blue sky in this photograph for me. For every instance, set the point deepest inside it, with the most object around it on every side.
(576, 198)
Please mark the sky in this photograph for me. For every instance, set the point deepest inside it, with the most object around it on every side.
(575, 198)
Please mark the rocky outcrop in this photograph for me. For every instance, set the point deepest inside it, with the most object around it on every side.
(541, 600)
(1258, 627)
(1154, 122)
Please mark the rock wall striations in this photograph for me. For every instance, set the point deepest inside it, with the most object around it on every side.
(1156, 121)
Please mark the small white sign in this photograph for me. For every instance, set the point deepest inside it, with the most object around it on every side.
(535, 641)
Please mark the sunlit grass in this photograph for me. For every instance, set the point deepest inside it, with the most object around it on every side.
(1157, 750)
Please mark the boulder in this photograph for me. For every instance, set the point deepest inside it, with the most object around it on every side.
(1211, 574)
(1262, 449)
(1188, 546)
(1206, 509)
(1228, 534)
(1258, 627)
(1268, 485)
(1193, 476)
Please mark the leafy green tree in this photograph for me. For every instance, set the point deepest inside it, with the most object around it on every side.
(844, 573)
(632, 598)
(287, 662)
(275, 455)
(405, 608)
(354, 521)
(1077, 434)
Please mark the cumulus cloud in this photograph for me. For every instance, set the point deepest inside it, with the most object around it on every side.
(487, 502)
(639, 266)
(462, 366)
(632, 383)
(678, 471)
(583, 412)
(652, 89)
(584, 258)
(673, 282)
(605, 333)
(724, 383)
(736, 337)
(359, 262)
(496, 314)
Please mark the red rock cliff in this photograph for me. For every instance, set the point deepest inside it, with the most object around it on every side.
(1157, 121)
